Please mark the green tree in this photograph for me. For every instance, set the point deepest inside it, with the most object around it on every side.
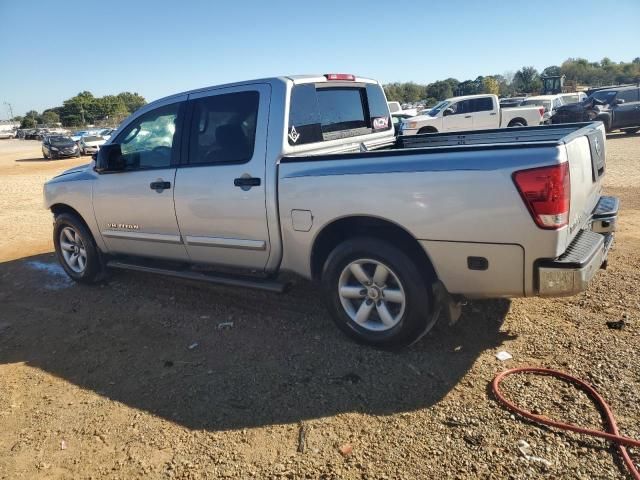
(132, 101)
(30, 120)
(50, 117)
(527, 80)
(553, 70)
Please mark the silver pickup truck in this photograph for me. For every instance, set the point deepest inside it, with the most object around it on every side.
(236, 183)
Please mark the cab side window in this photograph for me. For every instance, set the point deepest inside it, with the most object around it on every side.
(630, 95)
(148, 142)
(223, 128)
(481, 104)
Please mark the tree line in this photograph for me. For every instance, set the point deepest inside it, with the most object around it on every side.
(527, 80)
(85, 109)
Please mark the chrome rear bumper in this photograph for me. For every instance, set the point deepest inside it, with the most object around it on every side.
(572, 271)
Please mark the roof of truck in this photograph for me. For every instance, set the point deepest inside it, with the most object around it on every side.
(317, 78)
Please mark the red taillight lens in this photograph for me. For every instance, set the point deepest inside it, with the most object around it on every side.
(340, 76)
(541, 110)
(547, 193)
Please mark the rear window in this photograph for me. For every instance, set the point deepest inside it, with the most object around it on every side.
(324, 112)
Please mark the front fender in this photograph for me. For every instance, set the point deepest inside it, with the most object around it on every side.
(74, 189)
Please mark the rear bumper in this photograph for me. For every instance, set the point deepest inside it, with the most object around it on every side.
(572, 271)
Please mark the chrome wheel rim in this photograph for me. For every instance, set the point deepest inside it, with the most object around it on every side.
(73, 249)
(371, 295)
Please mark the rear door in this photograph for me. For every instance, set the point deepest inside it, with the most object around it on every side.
(484, 113)
(220, 190)
(460, 119)
(627, 114)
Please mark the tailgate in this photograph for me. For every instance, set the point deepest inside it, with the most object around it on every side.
(586, 156)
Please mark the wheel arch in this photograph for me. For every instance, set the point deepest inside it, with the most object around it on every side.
(517, 120)
(339, 230)
(428, 129)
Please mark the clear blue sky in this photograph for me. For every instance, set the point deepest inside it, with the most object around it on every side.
(53, 50)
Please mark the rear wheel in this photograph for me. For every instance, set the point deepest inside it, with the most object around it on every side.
(376, 294)
(517, 123)
(76, 250)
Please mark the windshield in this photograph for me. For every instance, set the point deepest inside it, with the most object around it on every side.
(60, 140)
(92, 139)
(438, 108)
(603, 96)
(539, 103)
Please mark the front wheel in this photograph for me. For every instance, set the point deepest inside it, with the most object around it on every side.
(76, 249)
(376, 294)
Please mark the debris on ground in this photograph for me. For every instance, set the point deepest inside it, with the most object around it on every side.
(525, 450)
(616, 325)
(302, 438)
(503, 356)
(225, 325)
(346, 450)
(193, 345)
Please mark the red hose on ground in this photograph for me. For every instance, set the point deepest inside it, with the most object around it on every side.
(612, 434)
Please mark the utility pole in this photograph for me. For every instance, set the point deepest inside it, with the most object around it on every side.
(10, 110)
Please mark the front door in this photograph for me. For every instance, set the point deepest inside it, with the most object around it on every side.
(220, 191)
(134, 208)
(459, 119)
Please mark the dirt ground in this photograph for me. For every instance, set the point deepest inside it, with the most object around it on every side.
(137, 378)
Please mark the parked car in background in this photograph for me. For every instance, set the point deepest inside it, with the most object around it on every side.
(575, 97)
(617, 108)
(550, 103)
(59, 146)
(6, 134)
(77, 135)
(90, 144)
(303, 174)
(395, 107)
(397, 119)
(509, 102)
(471, 112)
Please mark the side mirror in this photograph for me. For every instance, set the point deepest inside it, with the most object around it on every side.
(618, 101)
(447, 111)
(109, 159)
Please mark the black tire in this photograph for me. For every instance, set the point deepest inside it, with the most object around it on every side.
(93, 269)
(631, 131)
(414, 321)
(427, 130)
(517, 124)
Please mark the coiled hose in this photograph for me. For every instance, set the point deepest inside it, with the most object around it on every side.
(612, 433)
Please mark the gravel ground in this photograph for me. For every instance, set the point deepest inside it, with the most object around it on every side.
(140, 377)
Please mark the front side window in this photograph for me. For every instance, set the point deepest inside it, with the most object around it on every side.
(148, 142)
(223, 128)
(460, 107)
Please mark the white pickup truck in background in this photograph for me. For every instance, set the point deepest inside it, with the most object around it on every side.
(471, 112)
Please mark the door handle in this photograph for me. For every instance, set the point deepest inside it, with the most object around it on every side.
(160, 185)
(246, 182)
(467, 116)
(493, 113)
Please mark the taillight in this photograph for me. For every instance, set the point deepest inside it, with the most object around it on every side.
(541, 110)
(340, 76)
(546, 192)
